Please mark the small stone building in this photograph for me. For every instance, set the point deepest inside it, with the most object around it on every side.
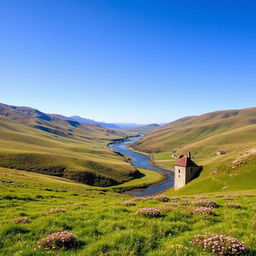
(184, 171)
(219, 153)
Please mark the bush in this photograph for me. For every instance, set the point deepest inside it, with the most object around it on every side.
(219, 244)
(128, 203)
(21, 220)
(205, 211)
(56, 210)
(174, 198)
(205, 203)
(233, 205)
(149, 212)
(59, 240)
(162, 198)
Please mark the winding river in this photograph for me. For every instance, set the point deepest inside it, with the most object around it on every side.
(143, 161)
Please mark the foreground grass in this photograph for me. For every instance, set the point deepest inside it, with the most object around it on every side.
(105, 226)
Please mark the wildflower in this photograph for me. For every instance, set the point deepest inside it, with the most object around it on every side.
(58, 240)
(128, 203)
(56, 210)
(21, 220)
(219, 244)
(162, 198)
(149, 212)
(205, 203)
(174, 198)
(205, 211)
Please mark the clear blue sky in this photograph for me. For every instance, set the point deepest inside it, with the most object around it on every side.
(128, 60)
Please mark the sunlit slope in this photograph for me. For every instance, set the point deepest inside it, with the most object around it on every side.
(194, 129)
(62, 148)
(231, 131)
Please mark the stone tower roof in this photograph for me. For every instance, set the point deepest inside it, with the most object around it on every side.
(186, 162)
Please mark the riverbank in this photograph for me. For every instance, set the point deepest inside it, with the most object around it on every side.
(143, 161)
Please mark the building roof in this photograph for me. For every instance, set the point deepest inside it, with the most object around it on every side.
(186, 162)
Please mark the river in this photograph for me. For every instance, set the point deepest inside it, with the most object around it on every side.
(143, 161)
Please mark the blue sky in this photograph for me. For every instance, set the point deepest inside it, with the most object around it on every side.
(128, 60)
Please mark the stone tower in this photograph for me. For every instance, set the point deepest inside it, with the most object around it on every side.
(184, 171)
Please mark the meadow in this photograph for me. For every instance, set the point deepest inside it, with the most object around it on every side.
(106, 222)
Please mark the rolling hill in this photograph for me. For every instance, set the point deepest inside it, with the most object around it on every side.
(52, 144)
(186, 130)
(232, 131)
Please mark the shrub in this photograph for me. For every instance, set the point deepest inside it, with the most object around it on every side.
(162, 198)
(185, 202)
(56, 210)
(233, 205)
(59, 240)
(149, 212)
(174, 198)
(128, 203)
(205, 203)
(21, 220)
(205, 211)
(219, 244)
(166, 209)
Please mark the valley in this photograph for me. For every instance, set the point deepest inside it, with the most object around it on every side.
(85, 180)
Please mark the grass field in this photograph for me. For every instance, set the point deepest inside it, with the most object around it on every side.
(104, 226)
(63, 148)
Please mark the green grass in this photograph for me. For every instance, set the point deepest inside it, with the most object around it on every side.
(149, 177)
(83, 156)
(103, 225)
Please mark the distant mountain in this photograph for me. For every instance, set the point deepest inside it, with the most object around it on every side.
(121, 126)
(126, 126)
(144, 128)
(90, 121)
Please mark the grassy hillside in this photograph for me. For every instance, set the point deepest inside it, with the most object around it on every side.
(104, 225)
(192, 129)
(231, 131)
(51, 144)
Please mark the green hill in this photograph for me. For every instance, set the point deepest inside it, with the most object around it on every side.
(232, 131)
(51, 144)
